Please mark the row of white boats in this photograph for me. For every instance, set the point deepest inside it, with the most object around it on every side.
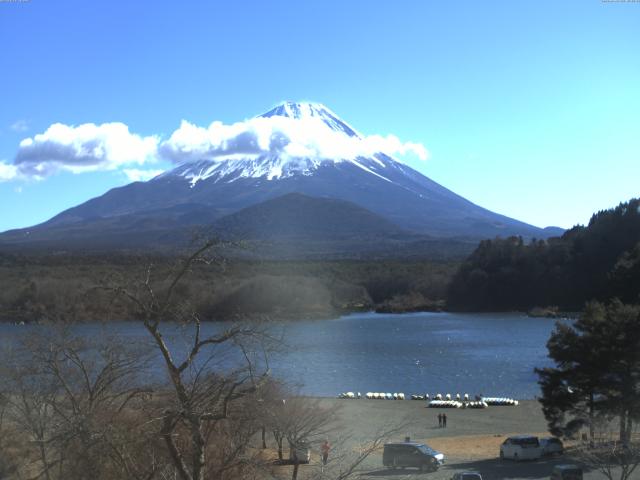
(438, 401)
(373, 395)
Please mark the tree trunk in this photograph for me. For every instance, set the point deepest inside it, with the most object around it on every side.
(264, 438)
(43, 459)
(278, 440)
(628, 429)
(592, 432)
(623, 427)
(176, 456)
(294, 475)
(199, 445)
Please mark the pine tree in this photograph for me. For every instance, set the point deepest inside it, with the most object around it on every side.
(597, 372)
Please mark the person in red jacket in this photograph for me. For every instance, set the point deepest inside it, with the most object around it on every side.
(324, 449)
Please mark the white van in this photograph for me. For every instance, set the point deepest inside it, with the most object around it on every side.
(521, 447)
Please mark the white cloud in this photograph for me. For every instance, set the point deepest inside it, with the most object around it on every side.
(83, 148)
(283, 136)
(392, 145)
(7, 171)
(20, 126)
(137, 175)
(111, 146)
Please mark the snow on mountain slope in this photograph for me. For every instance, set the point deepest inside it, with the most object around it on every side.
(291, 139)
(270, 167)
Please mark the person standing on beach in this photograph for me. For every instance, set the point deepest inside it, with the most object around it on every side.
(439, 420)
(444, 420)
(324, 449)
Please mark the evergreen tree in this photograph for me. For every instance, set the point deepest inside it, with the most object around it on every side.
(600, 261)
(597, 372)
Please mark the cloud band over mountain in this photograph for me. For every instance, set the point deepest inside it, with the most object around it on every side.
(111, 146)
(308, 137)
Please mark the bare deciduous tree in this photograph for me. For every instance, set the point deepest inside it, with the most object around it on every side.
(84, 405)
(304, 422)
(6, 464)
(76, 402)
(614, 458)
(204, 386)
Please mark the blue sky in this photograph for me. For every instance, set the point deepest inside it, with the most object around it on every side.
(530, 109)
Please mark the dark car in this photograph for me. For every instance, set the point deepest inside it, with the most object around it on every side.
(301, 453)
(566, 472)
(467, 476)
(411, 454)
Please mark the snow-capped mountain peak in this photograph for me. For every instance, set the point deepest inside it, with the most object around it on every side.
(306, 110)
(292, 139)
(301, 148)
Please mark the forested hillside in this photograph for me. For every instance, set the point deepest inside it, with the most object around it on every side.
(77, 288)
(596, 262)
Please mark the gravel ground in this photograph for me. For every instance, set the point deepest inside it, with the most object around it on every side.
(470, 442)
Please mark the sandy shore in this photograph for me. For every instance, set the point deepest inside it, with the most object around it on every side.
(471, 440)
(471, 434)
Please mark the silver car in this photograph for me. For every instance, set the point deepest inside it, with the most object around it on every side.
(551, 446)
(521, 447)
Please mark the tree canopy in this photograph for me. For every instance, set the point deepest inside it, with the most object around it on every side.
(598, 262)
(597, 370)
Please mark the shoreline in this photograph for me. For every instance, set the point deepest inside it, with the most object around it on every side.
(315, 316)
(383, 308)
(408, 399)
(470, 442)
(526, 417)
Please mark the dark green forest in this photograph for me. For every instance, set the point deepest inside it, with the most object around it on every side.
(599, 261)
(77, 288)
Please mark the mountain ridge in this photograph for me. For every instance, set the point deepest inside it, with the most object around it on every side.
(217, 186)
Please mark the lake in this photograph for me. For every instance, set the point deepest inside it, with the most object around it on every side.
(492, 354)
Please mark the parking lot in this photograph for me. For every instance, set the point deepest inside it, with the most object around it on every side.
(471, 440)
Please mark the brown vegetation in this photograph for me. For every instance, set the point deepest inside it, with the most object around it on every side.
(84, 407)
(62, 288)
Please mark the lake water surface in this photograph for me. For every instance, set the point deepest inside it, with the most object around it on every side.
(493, 354)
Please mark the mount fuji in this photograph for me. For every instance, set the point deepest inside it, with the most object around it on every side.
(310, 154)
